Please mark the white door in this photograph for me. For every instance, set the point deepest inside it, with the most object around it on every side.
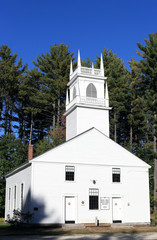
(116, 206)
(70, 210)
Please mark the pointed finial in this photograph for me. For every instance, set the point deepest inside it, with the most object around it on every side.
(106, 96)
(79, 59)
(101, 63)
(92, 68)
(71, 68)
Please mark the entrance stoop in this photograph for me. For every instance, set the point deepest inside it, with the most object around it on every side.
(74, 226)
(100, 225)
(121, 225)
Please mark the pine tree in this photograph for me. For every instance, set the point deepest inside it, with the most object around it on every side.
(136, 108)
(42, 146)
(10, 74)
(86, 63)
(148, 66)
(12, 154)
(117, 80)
(55, 67)
(31, 105)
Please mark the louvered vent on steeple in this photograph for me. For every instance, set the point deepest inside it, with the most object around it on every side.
(91, 91)
(74, 92)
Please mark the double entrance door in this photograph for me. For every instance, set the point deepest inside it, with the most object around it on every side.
(70, 210)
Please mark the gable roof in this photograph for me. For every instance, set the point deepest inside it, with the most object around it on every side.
(18, 169)
(91, 147)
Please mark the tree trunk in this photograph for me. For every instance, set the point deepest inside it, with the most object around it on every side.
(58, 113)
(31, 129)
(1, 107)
(155, 170)
(6, 119)
(54, 117)
(115, 128)
(24, 132)
(10, 120)
(131, 138)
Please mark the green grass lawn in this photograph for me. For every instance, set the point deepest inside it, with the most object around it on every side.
(8, 230)
(4, 225)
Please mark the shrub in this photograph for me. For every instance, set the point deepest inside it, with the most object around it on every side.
(19, 217)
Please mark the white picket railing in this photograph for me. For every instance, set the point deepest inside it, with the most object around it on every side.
(87, 71)
(87, 101)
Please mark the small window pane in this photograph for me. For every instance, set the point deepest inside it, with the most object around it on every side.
(116, 175)
(93, 198)
(69, 173)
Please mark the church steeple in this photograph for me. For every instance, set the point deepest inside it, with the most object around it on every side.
(86, 105)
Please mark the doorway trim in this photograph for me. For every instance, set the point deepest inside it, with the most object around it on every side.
(117, 213)
(64, 207)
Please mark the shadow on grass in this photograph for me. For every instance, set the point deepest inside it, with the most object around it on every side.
(7, 230)
(4, 225)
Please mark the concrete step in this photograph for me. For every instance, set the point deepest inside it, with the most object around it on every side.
(73, 226)
(121, 225)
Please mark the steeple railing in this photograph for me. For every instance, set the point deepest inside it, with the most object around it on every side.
(88, 101)
(93, 101)
(87, 71)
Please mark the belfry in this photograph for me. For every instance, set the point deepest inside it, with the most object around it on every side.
(86, 105)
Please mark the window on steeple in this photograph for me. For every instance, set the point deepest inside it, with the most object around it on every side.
(69, 95)
(74, 92)
(91, 91)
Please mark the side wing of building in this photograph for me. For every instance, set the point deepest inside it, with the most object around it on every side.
(18, 189)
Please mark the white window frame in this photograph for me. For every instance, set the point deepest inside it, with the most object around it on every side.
(94, 192)
(117, 171)
(9, 198)
(69, 168)
(22, 195)
(15, 196)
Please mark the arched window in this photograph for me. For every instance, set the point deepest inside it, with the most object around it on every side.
(74, 92)
(69, 95)
(91, 91)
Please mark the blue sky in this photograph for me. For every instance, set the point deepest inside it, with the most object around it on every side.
(30, 27)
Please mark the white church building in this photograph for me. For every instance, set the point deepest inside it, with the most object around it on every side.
(89, 176)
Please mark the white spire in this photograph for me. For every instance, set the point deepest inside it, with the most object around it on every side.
(102, 66)
(92, 68)
(101, 63)
(79, 59)
(71, 68)
(106, 96)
